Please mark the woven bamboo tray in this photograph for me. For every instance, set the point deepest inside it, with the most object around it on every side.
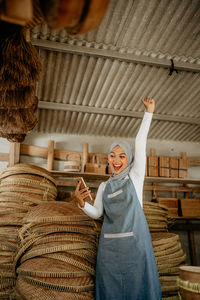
(27, 169)
(28, 291)
(59, 251)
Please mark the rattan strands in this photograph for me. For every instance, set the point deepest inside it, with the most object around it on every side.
(169, 289)
(25, 198)
(53, 228)
(28, 291)
(53, 249)
(163, 238)
(155, 212)
(31, 176)
(156, 217)
(25, 186)
(7, 274)
(7, 283)
(69, 220)
(73, 260)
(5, 295)
(165, 247)
(56, 209)
(61, 237)
(13, 205)
(49, 267)
(45, 193)
(157, 222)
(8, 245)
(167, 258)
(10, 220)
(174, 297)
(27, 169)
(86, 254)
(167, 251)
(153, 205)
(172, 262)
(23, 179)
(73, 285)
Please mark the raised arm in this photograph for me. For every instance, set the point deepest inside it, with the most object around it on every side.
(138, 170)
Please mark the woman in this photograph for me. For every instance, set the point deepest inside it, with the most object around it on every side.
(126, 267)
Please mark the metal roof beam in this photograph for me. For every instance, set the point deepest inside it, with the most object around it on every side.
(114, 112)
(114, 54)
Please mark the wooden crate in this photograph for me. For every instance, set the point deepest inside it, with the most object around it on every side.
(172, 205)
(173, 167)
(190, 208)
(152, 163)
(164, 166)
(95, 168)
(183, 166)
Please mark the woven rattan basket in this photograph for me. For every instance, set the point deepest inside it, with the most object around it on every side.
(21, 187)
(58, 255)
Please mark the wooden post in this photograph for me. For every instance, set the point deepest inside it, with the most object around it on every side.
(192, 247)
(85, 156)
(50, 155)
(14, 154)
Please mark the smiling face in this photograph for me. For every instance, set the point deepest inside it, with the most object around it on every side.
(117, 160)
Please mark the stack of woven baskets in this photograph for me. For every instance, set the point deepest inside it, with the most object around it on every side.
(167, 249)
(21, 187)
(57, 260)
(156, 215)
(169, 256)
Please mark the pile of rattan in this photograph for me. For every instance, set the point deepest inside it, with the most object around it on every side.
(156, 215)
(21, 187)
(169, 256)
(57, 258)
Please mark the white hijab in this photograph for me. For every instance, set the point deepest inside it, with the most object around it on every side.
(129, 154)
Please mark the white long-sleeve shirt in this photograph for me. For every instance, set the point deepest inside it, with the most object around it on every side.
(136, 173)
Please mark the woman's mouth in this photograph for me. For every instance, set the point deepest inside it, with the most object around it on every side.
(117, 167)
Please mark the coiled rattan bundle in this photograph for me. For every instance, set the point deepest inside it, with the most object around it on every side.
(57, 258)
(156, 215)
(21, 187)
(169, 257)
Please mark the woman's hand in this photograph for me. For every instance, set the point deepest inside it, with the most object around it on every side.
(149, 104)
(81, 195)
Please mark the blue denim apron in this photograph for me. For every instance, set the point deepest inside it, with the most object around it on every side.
(126, 267)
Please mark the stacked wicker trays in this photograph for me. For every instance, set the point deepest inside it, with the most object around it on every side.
(21, 187)
(156, 215)
(167, 249)
(57, 259)
(169, 257)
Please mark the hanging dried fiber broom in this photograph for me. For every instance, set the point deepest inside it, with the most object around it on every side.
(18, 121)
(22, 98)
(14, 138)
(20, 63)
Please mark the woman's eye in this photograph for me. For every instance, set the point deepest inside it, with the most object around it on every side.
(122, 157)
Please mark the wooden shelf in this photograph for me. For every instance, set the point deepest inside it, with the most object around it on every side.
(94, 176)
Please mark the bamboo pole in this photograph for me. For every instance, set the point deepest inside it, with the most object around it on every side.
(50, 155)
(14, 154)
(85, 156)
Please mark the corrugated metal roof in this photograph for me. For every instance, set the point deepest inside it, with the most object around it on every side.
(92, 83)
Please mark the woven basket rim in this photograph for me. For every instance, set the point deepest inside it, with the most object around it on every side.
(27, 169)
